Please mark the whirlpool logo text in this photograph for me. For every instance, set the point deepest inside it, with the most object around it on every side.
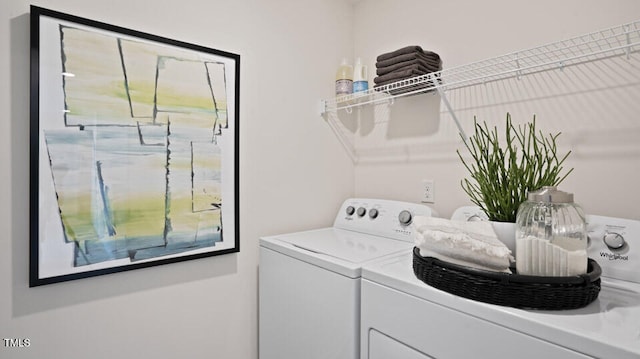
(614, 257)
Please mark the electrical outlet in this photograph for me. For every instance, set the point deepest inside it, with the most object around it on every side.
(428, 191)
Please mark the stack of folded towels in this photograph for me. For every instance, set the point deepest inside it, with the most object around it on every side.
(471, 244)
(404, 63)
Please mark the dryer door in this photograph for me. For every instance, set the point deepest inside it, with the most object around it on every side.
(441, 332)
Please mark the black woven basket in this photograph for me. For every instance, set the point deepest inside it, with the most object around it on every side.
(513, 290)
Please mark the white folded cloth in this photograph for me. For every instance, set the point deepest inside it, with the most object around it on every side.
(473, 244)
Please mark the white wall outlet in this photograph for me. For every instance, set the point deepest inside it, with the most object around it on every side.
(428, 191)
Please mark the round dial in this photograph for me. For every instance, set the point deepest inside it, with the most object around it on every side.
(405, 218)
(474, 218)
(613, 240)
(350, 210)
(362, 211)
(373, 213)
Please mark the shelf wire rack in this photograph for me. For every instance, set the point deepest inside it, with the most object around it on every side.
(622, 40)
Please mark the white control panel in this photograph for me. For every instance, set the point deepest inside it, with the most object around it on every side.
(469, 213)
(615, 244)
(385, 218)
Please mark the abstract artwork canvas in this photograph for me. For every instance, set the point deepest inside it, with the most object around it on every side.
(134, 149)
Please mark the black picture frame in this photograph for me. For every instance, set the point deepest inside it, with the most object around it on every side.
(134, 149)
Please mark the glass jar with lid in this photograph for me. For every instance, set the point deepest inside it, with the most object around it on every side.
(551, 235)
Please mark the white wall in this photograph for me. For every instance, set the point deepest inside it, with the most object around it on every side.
(594, 106)
(293, 175)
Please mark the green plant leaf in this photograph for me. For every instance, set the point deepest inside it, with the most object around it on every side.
(501, 177)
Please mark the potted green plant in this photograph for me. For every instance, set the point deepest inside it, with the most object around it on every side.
(504, 170)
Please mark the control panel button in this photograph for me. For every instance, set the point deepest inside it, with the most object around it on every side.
(405, 218)
(613, 240)
(362, 211)
(350, 210)
(373, 213)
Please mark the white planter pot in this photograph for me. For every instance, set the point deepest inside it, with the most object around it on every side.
(506, 232)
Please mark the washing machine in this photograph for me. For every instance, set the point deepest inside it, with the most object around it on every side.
(309, 282)
(404, 318)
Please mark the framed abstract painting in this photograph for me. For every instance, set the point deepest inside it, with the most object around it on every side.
(134, 149)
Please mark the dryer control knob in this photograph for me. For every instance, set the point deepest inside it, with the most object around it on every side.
(350, 210)
(362, 211)
(373, 213)
(613, 240)
(405, 218)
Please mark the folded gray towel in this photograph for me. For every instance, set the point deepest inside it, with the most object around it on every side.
(405, 63)
(433, 57)
(399, 75)
(417, 63)
(401, 51)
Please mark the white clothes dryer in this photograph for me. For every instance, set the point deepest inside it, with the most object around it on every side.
(309, 282)
(404, 318)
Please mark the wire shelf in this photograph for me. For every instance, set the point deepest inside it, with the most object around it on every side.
(622, 40)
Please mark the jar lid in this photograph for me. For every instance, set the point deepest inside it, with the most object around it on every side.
(550, 194)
